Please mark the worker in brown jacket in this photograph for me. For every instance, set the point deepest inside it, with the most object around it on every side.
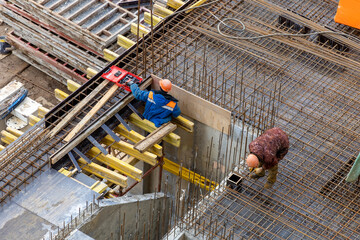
(265, 153)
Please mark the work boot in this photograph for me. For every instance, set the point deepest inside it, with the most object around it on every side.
(268, 185)
(255, 176)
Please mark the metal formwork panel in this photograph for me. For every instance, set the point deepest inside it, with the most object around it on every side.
(95, 23)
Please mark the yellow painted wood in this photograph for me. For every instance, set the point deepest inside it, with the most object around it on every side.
(174, 3)
(142, 30)
(90, 72)
(127, 148)
(148, 126)
(60, 95)
(188, 175)
(198, 3)
(131, 160)
(184, 123)
(33, 120)
(124, 41)
(8, 137)
(99, 187)
(136, 137)
(155, 20)
(103, 172)
(161, 11)
(72, 86)
(110, 55)
(116, 163)
(14, 131)
(67, 172)
(42, 111)
(1, 147)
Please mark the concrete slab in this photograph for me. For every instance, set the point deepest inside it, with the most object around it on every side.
(55, 197)
(76, 234)
(19, 223)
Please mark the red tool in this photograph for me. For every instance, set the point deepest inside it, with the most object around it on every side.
(121, 77)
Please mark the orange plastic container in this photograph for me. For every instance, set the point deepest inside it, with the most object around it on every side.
(348, 13)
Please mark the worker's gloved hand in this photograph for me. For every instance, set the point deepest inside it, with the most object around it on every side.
(129, 82)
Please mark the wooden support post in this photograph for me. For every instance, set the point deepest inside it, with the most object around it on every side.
(161, 11)
(116, 163)
(94, 110)
(7, 137)
(124, 42)
(175, 3)
(60, 95)
(184, 123)
(14, 131)
(154, 137)
(110, 55)
(155, 20)
(90, 72)
(148, 126)
(72, 86)
(136, 137)
(33, 120)
(42, 111)
(142, 29)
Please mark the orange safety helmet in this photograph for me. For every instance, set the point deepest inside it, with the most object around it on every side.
(252, 161)
(165, 85)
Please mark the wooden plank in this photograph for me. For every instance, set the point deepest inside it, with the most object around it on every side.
(77, 108)
(92, 112)
(199, 109)
(81, 10)
(154, 137)
(56, 4)
(68, 7)
(79, 138)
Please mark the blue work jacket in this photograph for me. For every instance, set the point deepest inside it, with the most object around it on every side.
(158, 109)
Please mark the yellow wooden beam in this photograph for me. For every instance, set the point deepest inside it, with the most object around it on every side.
(131, 160)
(198, 3)
(161, 11)
(60, 95)
(42, 111)
(67, 172)
(72, 86)
(155, 20)
(136, 137)
(116, 163)
(110, 55)
(124, 41)
(148, 126)
(7, 137)
(14, 131)
(103, 172)
(188, 175)
(174, 3)
(142, 30)
(1, 147)
(127, 148)
(184, 123)
(99, 187)
(33, 120)
(90, 72)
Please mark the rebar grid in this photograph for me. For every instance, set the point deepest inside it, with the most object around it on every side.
(318, 108)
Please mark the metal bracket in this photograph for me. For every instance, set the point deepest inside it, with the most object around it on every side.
(73, 160)
(96, 144)
(135, 111)
(111, 133)
(123, 122)
(83, 156)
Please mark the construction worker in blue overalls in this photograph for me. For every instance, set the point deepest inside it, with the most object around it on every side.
(5, 48)
(160, 106)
